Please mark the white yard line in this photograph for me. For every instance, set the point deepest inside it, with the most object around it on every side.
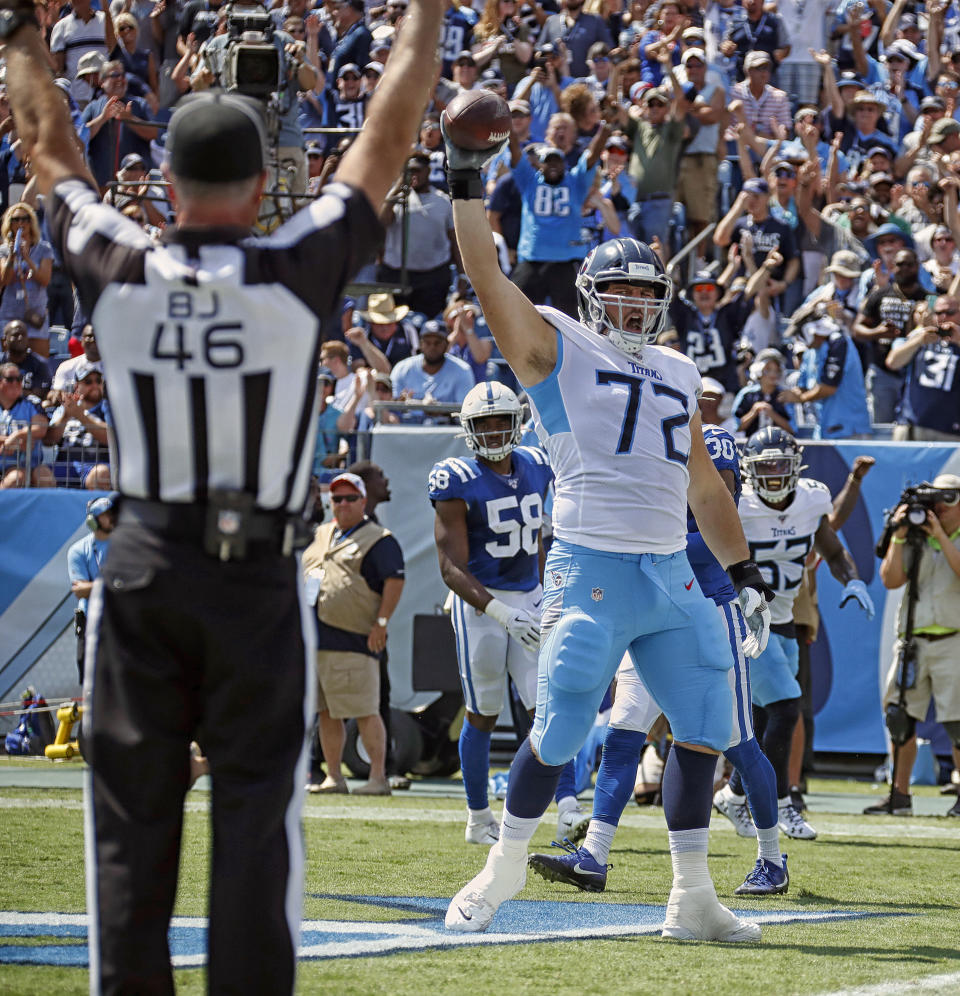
(929, 984)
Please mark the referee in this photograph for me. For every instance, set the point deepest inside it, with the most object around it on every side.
(197, 627)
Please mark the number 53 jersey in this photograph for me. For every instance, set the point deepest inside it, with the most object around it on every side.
(780, 539)
(617, 430)
(504, 514)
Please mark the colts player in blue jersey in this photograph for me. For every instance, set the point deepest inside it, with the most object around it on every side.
(634, 712)
(617, 415)
(489, 513)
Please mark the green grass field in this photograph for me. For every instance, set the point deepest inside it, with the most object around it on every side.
(903, 871)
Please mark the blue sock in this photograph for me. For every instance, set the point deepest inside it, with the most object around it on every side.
(688, 788)
(758, 778)
(617, 774)
(531, 785)
(475, 764)
(567, 785)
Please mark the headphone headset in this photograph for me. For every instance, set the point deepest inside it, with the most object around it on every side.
(91, 520)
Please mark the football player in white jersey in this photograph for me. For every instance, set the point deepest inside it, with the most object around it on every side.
(783, 516)
(618, 417)
(489, 513)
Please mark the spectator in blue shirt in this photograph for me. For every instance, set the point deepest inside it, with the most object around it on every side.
(353, 36)
(832, 375)
(551, 249)
(469, 338)
(20, 419)
(327, 452)
(576, 30)
(432, 375)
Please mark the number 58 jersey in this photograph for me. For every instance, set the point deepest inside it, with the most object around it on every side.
(780, 539)
(504, 514)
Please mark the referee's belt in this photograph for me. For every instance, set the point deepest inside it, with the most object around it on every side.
(266, 533)
(640, 198)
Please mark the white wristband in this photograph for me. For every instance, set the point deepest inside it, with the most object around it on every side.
(499, 611)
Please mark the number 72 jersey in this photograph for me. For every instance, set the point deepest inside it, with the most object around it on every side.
(780, 539)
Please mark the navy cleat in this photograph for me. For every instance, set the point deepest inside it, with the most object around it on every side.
(766, 879)
(578, 867)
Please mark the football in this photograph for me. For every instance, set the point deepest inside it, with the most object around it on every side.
(476, 120)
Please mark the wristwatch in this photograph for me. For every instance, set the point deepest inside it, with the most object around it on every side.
(382, 621)
(12, 19)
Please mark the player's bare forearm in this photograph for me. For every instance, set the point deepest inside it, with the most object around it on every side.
(43, 120)
(453, 550)
(836, 557)
(375, 159)
(527, 342)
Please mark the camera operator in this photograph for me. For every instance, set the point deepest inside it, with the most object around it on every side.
(296, 72)
(930, 405)
(936, 670)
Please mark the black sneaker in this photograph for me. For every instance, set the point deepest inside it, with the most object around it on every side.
(902, 806)
(796, 797)
(954, 810)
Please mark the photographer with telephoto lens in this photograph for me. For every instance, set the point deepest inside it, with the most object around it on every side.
(921, 550)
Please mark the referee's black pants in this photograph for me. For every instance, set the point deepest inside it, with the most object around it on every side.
(183, 647)
(554, 281)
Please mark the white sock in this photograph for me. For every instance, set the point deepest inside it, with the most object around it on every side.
(688, 855)
(479, 817)
(567, 803)
(732, 796)
(516, 831)
(768, 845)
(598, 840)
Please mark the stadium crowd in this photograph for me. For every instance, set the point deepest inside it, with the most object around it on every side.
(799, 162)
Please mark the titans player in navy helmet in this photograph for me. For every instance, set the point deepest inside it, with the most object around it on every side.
(634, 712)
(489, 513)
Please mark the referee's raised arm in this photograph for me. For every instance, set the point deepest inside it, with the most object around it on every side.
(41, 112)
(376, 158)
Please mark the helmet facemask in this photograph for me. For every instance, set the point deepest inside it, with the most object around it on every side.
(773, 474)
(630, 323)
(494, 444)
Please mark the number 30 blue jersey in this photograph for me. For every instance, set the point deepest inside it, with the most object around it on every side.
(713, 579)
(504, 514)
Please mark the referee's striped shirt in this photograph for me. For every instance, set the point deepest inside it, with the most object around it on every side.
(210, 341)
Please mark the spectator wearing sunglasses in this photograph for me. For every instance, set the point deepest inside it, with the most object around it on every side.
(930, 407)
(79, 430)
(22, 422)
(354, 573)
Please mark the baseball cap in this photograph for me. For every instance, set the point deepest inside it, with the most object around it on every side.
(865, 97)
(879, 177)
(90, 62)
(638, 88)
(349, 67)
(313, 149)
(932, 104)
(946, 481)
(787, 167)
(206, 125)
(845, 263)
(908, 21)
(757, 58)
(490, 74)
(905, 49)
(433, 327)
(848, 78)
(693, 53)
(97, 506)
(132, 160)
(756, 186)
(519, 107)
(655, 93)
(941, 129)
(618, 142)
(326, 374)
(84, 370)
(374, 67)
(712, 386)
(879, 150)
(703, 277)
(352, 481)
(549, 152)
(466, 56)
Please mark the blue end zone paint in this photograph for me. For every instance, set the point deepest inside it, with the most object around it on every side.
(517, 922)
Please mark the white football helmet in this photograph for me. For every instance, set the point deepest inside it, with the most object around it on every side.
(491, 398)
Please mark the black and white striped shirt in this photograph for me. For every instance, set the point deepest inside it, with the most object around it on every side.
(210, 341)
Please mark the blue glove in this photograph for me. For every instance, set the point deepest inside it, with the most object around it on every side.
(858, 590)
(458, 158)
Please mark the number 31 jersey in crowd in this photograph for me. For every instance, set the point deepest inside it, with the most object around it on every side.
(781, 539)
(617, 431)
(504, 514)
